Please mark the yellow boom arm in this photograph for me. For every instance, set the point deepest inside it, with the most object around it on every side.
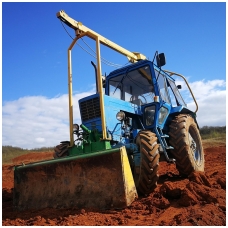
(81, 31)
(84, 31)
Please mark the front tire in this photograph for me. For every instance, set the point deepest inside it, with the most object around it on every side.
(146, 172)
(61, 150)
(186, 140)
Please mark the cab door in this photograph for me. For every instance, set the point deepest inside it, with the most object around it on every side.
(165, 102)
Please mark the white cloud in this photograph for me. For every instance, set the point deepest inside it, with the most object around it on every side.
(38, 121)
(40, 140)
(211, 99)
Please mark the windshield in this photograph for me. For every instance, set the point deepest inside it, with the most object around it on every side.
(134, 86)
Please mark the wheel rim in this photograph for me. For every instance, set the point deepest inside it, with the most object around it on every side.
(195, 146)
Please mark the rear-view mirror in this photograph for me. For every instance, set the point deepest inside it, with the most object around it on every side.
(160, 60)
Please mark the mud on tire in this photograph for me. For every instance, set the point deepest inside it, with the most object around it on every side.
(146, 175)
(186, 140)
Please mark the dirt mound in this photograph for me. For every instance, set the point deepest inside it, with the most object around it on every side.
(199, 199)
(33, 157)
(7, 170)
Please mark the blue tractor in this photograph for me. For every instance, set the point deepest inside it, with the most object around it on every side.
(136, 118)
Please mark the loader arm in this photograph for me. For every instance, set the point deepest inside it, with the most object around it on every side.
(81, 31)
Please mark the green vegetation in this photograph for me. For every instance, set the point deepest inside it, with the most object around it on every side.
(10, 152)
(213, 132)
(213, 136)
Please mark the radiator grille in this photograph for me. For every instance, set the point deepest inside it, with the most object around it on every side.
(90, 109)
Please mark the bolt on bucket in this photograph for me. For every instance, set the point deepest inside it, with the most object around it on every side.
(100, 180)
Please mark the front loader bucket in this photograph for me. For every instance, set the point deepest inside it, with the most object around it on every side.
(98, 180)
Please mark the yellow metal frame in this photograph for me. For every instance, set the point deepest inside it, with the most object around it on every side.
(173, 73)
(81, 31)
(100, 90)
(80, 28)
(70, 92)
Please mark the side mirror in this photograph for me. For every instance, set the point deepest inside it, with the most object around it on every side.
(179, 87)
(160, 60)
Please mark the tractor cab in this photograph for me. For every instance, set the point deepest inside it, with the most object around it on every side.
(150, 90)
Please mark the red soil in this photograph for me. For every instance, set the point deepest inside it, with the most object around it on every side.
(199, 199)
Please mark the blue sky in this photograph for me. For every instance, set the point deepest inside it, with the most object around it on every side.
(34, 58)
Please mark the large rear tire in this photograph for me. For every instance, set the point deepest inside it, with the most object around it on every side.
(186, 140)
(146, 173)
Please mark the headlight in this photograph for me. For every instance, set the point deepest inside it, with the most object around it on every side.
(120, 116)
(149, 115)
(162, 115)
